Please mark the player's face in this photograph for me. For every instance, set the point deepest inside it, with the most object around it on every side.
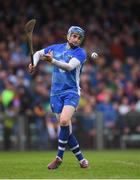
(74, 39)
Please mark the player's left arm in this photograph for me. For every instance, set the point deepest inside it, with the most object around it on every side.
(74, 62)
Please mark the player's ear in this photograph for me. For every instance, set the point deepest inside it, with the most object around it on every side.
(68, 37)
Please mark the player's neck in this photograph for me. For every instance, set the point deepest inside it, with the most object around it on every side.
(70, 46)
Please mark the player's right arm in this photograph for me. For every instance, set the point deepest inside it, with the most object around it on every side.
(36, 57)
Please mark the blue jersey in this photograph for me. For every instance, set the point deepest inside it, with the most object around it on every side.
(66, 81)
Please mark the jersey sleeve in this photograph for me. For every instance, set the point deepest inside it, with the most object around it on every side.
(81, 55)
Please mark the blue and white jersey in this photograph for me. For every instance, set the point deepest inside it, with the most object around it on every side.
(66, 81)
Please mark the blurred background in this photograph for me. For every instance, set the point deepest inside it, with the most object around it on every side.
(108, 116)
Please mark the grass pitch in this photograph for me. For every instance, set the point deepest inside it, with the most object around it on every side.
(103, 164)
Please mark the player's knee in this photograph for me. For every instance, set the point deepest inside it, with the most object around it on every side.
(64, 122)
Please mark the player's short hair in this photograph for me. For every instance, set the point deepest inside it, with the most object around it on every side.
(78, 30)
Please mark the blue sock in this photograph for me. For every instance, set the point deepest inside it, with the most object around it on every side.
(74, 147)
(62, 140)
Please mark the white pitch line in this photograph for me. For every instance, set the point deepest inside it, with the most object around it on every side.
(126, 163)
(122, 162)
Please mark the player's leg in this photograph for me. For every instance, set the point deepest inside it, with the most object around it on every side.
(75, 148)
(65, 118)
(56, 106)
(66, 136)
(73, 100)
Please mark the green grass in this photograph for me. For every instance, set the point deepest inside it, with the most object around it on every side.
(103, 164)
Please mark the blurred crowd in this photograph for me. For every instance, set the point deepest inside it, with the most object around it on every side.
(110, 84)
